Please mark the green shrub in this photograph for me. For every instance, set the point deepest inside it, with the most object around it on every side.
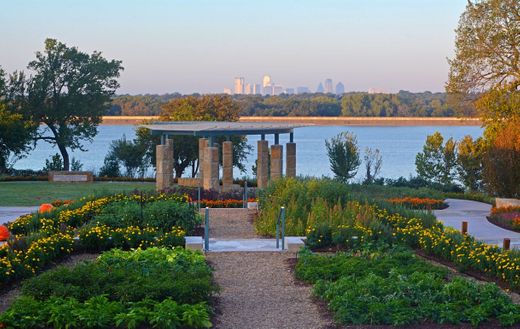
(297, 196)
(395, 288)
(129, 277)
(156, 287)
(100, 312)
(163, 214)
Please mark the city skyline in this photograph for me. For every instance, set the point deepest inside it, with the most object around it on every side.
(190, 47)
(269, 87)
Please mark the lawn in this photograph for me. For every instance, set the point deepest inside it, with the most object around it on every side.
(36, 193)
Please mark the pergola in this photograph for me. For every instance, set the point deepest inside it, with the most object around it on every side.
(207, 131)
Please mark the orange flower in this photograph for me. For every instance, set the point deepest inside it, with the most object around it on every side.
(500, 210)
(417, 202)
(4, 233)
(45, 207)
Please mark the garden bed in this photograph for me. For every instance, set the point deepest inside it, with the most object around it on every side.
(331, 218)
(393, 287)
(156, 287)
(506, 217)
(94, 225)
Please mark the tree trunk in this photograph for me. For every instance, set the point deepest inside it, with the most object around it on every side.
(61, 147)
(3, 165)
(65, 156)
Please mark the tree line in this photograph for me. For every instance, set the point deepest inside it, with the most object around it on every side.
(356, 104)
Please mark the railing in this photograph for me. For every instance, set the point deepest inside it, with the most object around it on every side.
(206, 230)
(245, 196)
(280, 222)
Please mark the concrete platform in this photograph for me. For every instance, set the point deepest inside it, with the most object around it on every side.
(8, 214)
(292, 244)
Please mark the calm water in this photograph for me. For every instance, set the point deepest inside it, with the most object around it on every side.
(398, 146)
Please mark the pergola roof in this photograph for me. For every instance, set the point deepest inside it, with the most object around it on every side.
(219, 128)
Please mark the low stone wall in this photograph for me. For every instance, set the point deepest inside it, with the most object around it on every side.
(502, 202)
(190, 182)
(71, 176)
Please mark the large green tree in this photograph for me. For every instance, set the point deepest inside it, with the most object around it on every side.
(486, 66)
(69, 91)
(16, 131)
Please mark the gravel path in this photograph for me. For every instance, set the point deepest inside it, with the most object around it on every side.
(258, 291)
(231, 223)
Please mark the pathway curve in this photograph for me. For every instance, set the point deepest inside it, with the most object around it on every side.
(257, 289)
(8, 214)
(478, 226)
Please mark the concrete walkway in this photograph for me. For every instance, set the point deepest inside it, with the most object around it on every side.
(8, 214)
(478, 226)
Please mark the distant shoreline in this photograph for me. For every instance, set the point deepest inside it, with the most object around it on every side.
(326, 121)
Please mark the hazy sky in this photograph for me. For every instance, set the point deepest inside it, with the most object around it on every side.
(200, 46)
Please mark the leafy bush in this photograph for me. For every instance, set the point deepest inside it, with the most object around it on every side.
(162, 214)
(53, 164)
(297, 196)
(110, 168)
(343, 155)
(396, 288)
(163, 288)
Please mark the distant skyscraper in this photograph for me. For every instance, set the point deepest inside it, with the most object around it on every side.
(277, 90)
(228, 91)
(302, 90)
(248, 88)
(320, 88)
(257, 89)
(267, 85)
(267, 90)
(239, 86)
(340, 89)
(289, 91)
(328, 86)
(266, 81)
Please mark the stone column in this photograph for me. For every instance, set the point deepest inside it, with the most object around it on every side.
(262, 164)
(227, 164)
(164, 164)
(276, 161)
(210, 181)
(203, 143)
(290, 160)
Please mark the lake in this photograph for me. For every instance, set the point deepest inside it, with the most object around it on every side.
(398, 145)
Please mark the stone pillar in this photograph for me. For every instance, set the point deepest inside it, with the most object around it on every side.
(164, 164)
(227, 164)
(262, 164)
(276, 161)
(210, 181)
(203, 143)
(290, 160)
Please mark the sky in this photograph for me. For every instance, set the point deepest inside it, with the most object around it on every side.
(199, 46)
